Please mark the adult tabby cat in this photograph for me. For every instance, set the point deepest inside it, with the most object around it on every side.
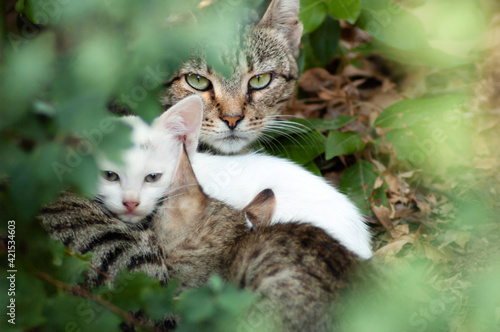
(237, 109)
(296, 269)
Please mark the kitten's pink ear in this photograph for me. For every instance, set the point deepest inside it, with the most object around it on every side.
(284, 15)
(261, 209)
(183, 120)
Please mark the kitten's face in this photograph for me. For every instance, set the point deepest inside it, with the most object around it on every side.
(237, 109)
(133, 190)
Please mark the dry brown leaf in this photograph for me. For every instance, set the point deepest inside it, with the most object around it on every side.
(486, 163)
(378, 183)
(462, 238)
(408, 174)
(422, 206)
(397, 199)
(434, 254)
(315, 79)
(400, 230)
(403, 213)
(383, 215)
(393, 182)
(395, 246)
(481, 148)
(380, 166)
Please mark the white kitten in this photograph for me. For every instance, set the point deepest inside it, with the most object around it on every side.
(132, 190)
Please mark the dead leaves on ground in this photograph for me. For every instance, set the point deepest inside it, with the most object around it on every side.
(364, 86)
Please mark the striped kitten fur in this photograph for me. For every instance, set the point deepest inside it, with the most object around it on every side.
(237, 109)
(296, 269)
(86, 225)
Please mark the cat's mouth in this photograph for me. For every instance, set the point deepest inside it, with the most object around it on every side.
(232, 137)
(131, 216)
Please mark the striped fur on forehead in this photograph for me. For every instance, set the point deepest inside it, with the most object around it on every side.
(268, 47)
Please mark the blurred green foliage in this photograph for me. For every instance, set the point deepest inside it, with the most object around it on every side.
(69, 59)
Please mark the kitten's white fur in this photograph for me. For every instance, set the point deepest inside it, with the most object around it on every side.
(150, 154)
(235, 180)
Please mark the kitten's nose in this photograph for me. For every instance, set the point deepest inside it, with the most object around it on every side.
(232, 121)
(131, 205)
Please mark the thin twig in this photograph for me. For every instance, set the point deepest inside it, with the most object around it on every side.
(80, 291)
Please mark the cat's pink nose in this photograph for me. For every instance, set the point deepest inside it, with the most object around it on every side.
(131, 205)
(232, 121)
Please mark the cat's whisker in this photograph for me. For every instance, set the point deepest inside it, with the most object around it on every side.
(290, 127)
(303, 133)
(269, 140)
(290, 124)
(284, 116)
(290, 137)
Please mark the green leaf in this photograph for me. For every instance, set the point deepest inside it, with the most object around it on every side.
(324, 40)
(436, 144)
(126, 291)
(301, 148)
(159, 302)
(391, 25)
(343, 143)
(72, 269)
(24, 189)
(413, 111)
(312, 13)
(82, 112)
(313, 168)
(29, 69)
(68, 313)
(357, 182)
(11, 156)
(235, 300)
(201, 299)
(19, 7)
(326, 124)
(112, 138)
(348, 10)
(425, 55)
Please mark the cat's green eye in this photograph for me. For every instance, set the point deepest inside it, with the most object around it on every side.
(110, 176)
(153, 177)
(198, 82)
(260, 81)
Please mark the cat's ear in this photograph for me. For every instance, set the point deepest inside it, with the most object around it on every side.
(284, 15)
(186, 198)
(184, 180)
(183, 120)
(261, 209)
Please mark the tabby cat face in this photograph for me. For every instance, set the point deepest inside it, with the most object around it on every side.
(238, 108)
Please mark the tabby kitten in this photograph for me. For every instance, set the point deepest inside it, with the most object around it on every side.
(297, 270)
(239, 108)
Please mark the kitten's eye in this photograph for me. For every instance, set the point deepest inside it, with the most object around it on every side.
(260, 81)
(153, 177)
(198, 82)
(110, 176)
